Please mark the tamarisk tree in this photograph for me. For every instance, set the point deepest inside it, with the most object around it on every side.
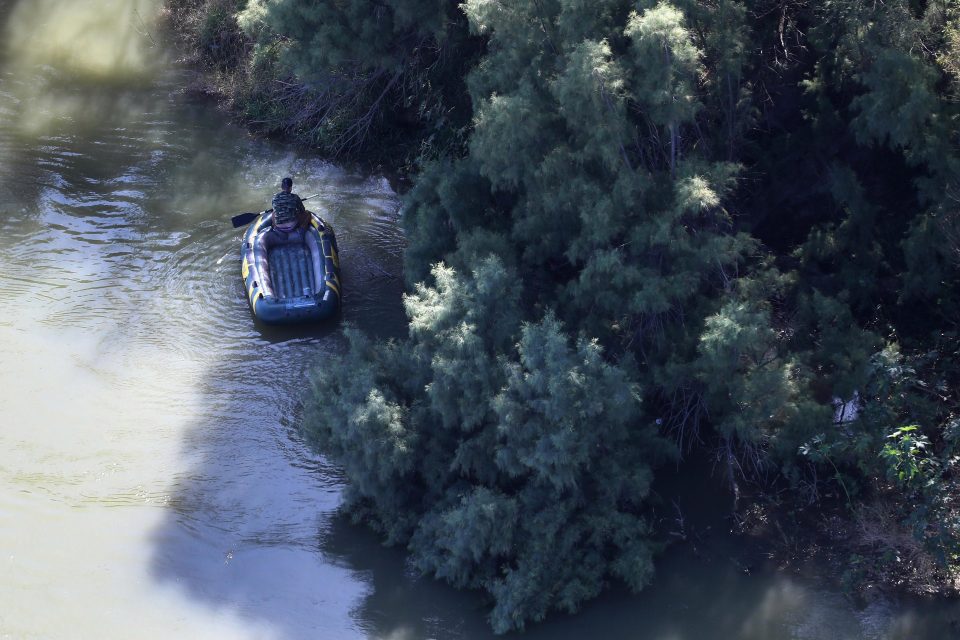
(578, 243)
(517, 468)
(645, 224)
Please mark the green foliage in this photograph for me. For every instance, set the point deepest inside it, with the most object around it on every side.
(820, 450)
(920, 460)
(328, 35)
(209, 28)
(906, 457)
(346, 77)
(515, 468)
(949, 56)
(915, 466)
(355, 71)
(665, 65)
(755, 402)
(574, 473)
(727, 267)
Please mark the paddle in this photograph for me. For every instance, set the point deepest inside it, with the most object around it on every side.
(243, 219)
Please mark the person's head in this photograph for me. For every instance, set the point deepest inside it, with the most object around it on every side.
(286, 184)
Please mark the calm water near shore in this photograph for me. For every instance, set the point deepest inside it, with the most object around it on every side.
(152, 481)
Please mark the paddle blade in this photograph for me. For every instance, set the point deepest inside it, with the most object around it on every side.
(243, 219)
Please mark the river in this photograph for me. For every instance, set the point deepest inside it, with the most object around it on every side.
(152, 480)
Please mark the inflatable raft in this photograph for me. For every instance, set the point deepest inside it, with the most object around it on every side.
(291, 277)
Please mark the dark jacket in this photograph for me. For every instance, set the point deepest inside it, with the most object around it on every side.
(288, 210)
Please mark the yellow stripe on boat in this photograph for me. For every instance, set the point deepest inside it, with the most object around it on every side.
(333, 256)
(245, 269)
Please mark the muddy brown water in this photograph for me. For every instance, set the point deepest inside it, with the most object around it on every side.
(152, 480)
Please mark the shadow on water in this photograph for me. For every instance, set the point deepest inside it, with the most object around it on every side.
(240, 535)
(697, 594)
(400, 604)
(243, 534)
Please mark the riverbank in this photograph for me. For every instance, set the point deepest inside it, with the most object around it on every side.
(865, 552)
(247, 81)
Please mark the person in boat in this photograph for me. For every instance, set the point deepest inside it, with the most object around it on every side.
(288, 210)
(290, 225)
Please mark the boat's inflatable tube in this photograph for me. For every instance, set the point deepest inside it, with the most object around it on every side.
(291, 277)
